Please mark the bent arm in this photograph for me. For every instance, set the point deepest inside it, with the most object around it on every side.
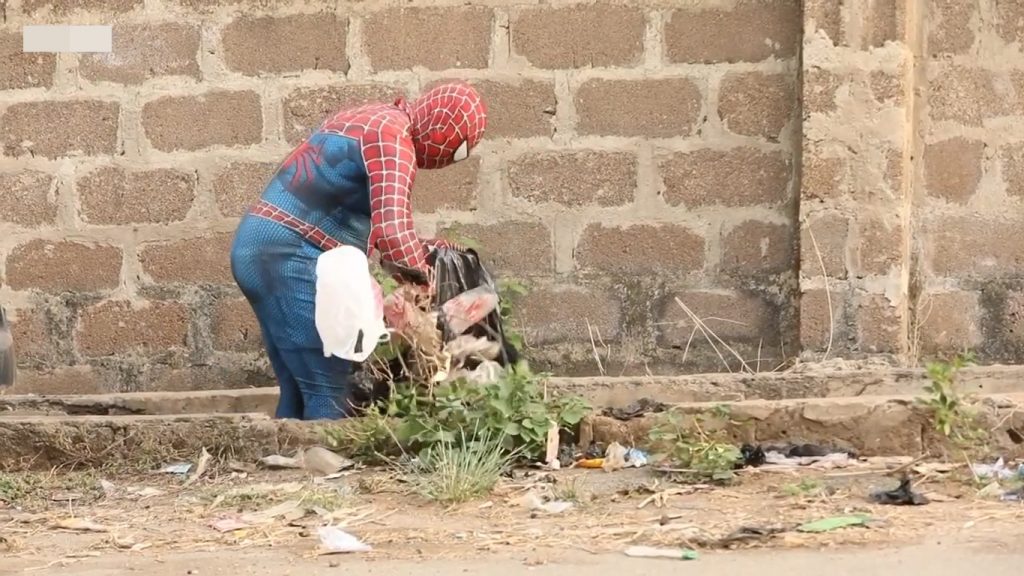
(391, 168)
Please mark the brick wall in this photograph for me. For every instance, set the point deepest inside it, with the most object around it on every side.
(754, 160)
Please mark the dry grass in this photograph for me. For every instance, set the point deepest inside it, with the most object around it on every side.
(455, 472)
(400, 527)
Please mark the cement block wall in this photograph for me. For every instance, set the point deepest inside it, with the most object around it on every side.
(739, 155)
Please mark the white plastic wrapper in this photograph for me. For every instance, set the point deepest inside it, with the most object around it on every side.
(349, 305)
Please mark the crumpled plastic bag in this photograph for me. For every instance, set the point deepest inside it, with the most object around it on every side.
(469, 308)
(458, 272)
(333, 540)
(349, 305)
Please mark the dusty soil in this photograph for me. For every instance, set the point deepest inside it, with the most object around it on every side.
(156, 524)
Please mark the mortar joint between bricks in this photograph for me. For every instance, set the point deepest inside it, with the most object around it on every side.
(359, 66)
(566, 117)
(654, 40)
(501, 40)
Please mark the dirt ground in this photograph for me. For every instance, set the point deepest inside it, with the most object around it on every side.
(86, 524)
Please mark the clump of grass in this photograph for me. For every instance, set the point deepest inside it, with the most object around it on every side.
(36, 490)
(568, 490)
(369, 439)
(700, 456)
(805, 487)
(458, 471)
(15, 489)
(952, 414)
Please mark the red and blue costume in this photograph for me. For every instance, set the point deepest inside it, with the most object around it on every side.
(348, 183)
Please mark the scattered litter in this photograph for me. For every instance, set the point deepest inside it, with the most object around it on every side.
(635, 409)
(180, 468)
(323, 461)
(1012, 496)
(65, 496)
(614, 457)
(201, 466)
(591, 463)
(833, 523)
(753, 456)
(991, 490)
(263, 516)
(128, 544)
(147, 492)
(649, 552)
(999, 471)
(278, 462)
(229, 525)
(109, 488)
(555, 506)
(337, 475)
(551, 448)
(80, 525)
(595, 450)
(534, 502)
(336, 541)
(466, 346)
(636, 458)
(901, 496)
(752, 534)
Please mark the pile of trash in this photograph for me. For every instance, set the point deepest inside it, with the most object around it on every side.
(453, 332)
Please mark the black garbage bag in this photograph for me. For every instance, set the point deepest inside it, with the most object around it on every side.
(457, 271)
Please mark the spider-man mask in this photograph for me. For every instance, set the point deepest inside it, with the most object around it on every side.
(447, 122)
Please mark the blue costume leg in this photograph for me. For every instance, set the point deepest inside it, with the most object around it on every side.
(289, 403)
(323, 382)
(276, 271)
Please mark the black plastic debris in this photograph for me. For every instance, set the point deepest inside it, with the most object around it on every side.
(7, 359)
(808, 450)
(753, 456)
(635, 409)
(903, 495)
(595, 450)
(457, 271)
(749, 534)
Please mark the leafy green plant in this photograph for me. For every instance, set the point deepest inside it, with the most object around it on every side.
(951, 413)
(508, 291)
(460, 469)
(370, 438)
(513, 406)
(387, 283)
(700, 456)
(415, 417)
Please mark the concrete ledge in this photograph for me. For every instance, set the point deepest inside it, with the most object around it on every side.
(143, 442)
(814, 381)
(872, 425)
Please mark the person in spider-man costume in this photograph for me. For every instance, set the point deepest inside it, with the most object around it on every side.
(348, 183)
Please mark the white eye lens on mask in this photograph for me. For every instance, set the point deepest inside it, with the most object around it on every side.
(462, 152)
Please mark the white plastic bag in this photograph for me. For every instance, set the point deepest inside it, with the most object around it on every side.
(349, 305)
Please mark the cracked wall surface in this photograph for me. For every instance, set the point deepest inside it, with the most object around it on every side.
(811, 178)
